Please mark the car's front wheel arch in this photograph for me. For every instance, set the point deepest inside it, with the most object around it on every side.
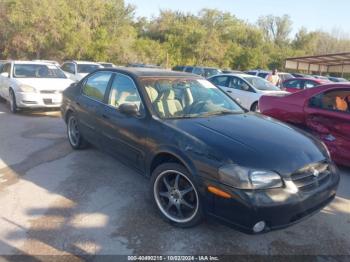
(171, 156)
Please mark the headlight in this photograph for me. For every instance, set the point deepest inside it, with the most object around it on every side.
(248, 178)
(27, 89)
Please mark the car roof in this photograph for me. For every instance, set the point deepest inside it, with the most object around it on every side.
(32, 62)
(307, 78)
(81, 62)
(329, 86)
(150, 72)
(237, 75)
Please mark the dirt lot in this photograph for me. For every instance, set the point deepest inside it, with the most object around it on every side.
(56, 201)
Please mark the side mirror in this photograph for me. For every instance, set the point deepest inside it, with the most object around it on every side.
(129, 109)
(5, 74)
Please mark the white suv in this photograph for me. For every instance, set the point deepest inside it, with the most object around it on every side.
(76, 70)
(29, 84)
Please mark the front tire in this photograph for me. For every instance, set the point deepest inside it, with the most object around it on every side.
(13, 103)
(255, 107)
(75, 138)
(176, 196)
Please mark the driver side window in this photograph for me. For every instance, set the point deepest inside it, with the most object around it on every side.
(123, 90)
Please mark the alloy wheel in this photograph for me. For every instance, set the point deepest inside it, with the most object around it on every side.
(176, 196)
(73, 131)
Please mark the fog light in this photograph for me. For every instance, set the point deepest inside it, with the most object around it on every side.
(259, 227)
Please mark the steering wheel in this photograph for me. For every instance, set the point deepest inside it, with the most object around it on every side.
(196, 107)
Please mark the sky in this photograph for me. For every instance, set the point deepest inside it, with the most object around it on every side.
(327, 15)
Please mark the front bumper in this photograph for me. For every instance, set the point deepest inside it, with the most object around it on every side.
(38, 100)
(278, 208)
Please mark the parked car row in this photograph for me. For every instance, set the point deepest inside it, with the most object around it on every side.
(198, 70)
(40, 83)
(265, 75)
(245, 89)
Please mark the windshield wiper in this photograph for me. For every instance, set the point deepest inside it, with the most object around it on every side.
(221, 112)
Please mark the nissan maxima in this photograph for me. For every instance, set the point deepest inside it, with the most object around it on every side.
(204, 154)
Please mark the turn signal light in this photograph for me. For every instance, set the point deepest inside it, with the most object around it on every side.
(218, 192)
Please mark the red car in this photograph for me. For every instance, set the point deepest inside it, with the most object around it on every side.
(323, 110)
(293, 85)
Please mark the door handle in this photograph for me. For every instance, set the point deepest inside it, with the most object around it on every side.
(229, 91)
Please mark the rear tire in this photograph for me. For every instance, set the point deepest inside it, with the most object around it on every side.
(75, 138)
(176, 195)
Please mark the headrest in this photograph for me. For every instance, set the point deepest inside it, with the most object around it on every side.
(152, 93)
(169, 94)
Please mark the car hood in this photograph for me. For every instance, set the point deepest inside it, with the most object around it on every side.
(256, 141)
(46, 83)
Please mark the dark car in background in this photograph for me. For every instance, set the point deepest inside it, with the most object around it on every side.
(230, 71)
(338, 79)
(143, 65)
(300, 75)
(198, 70)
(297, 84)
(258, 72)
(202, 152)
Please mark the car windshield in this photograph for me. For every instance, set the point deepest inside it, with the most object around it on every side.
(188, 98)
(87, 68)
(261, 84)
(208, 72)
(37, 71)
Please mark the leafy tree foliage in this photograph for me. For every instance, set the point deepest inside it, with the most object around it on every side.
(107, 30)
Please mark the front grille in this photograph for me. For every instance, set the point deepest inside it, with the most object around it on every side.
(312, 176)
(48, 101)
(49, 92)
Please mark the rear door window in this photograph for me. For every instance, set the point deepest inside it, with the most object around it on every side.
(220, 81)
(96, 85)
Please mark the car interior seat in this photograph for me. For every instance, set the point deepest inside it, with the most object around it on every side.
(155, 100)
(340, 104)
(171, 105)
(166, 104)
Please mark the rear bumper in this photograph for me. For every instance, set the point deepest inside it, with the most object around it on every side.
(278, 208)
(38, 100)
